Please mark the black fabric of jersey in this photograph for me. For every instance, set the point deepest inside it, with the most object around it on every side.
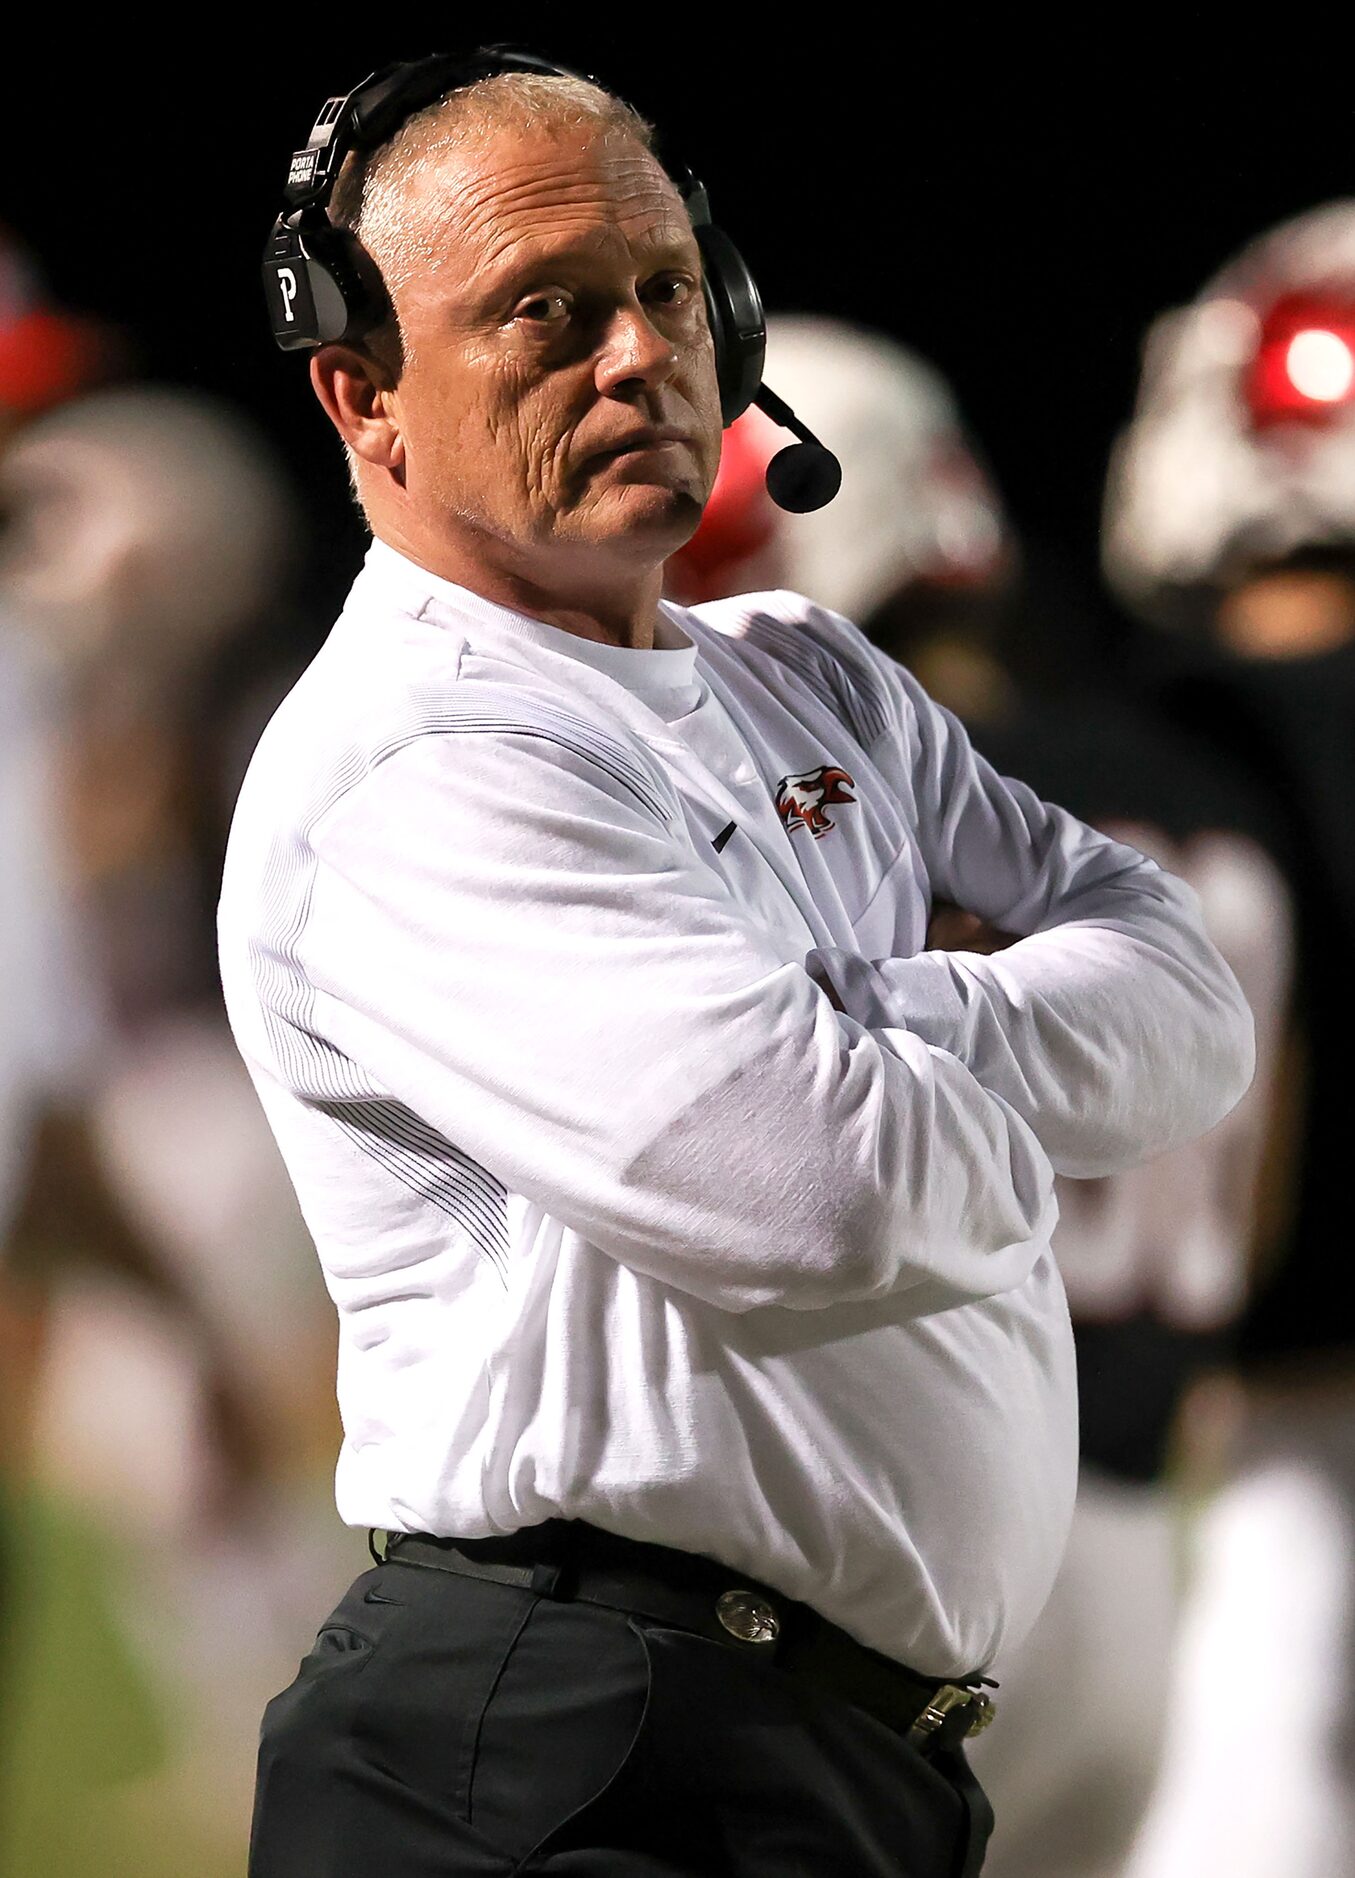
(1292, 724)
(1106, 761)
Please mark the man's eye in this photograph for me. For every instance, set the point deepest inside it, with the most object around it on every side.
(543, 309)
(671, 289)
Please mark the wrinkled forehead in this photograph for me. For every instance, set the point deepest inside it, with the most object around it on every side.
(477, 203)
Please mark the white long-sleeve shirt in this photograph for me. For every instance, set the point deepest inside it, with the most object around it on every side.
(623, 1220)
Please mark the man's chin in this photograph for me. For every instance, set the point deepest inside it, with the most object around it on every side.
(651, 517)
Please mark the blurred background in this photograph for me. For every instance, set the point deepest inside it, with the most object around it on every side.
(1080, 320)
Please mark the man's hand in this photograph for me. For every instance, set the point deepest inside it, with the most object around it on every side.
(951, 929)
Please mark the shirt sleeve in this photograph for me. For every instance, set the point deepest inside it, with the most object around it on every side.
(515, 934)
(1112, 1027)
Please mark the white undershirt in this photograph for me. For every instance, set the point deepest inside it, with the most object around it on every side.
(623, 1220)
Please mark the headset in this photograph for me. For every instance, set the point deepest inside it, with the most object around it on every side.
(321, 287)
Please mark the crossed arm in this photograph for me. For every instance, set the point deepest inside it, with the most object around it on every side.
(1099, 1011)
(532, 956)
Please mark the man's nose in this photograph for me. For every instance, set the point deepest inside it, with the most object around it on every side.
(634, 354)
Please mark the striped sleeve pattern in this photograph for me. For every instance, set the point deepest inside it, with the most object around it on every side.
(818, 649)
(404, 1145)
(431, 1167)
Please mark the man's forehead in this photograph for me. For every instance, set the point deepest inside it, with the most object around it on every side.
(511, 188)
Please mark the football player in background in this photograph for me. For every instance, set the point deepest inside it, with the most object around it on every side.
(915, 543)
(95, 564)
(139, 529)
(1230, 525)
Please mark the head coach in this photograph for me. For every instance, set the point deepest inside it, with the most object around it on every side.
(687, 1218)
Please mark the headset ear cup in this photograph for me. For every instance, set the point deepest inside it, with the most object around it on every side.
(737, 323)
(320, 286)
(348, 302)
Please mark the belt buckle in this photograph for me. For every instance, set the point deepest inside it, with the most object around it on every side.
(946, 1701)
(748, 1617)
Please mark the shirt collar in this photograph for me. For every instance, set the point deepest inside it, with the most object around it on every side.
(654, 674)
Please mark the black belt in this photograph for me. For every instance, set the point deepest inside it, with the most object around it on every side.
(568, 1559)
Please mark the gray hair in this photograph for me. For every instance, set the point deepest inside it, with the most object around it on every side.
(372, 195)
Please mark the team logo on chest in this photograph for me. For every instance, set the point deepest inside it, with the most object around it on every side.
(803, 801)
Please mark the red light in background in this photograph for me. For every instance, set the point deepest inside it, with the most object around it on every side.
(1320, 365)
(1304, 368)
(740, 517)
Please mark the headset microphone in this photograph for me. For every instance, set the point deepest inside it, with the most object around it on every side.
(805, 475)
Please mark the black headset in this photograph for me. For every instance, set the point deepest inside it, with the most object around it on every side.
(321, 286)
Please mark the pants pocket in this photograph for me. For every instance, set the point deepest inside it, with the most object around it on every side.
(561, 1729)
(301, 1750)
(978, 1814)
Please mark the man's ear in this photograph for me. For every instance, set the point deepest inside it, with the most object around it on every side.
(358, 395)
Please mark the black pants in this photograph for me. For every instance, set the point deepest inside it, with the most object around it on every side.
(444, 1727)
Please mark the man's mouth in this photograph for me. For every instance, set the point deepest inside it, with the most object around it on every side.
(638, 442)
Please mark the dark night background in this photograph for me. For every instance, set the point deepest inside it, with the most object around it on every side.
(1016, 204)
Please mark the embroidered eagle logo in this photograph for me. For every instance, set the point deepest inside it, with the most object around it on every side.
(801, 801)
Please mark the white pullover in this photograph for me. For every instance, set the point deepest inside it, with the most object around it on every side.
(623, 1220)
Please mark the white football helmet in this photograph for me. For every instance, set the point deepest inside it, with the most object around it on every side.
(916, 505)
(142, 525)
(1241, 452)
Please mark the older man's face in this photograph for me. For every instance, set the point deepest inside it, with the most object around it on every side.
(559, 394)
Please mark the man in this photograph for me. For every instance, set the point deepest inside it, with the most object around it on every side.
(1229, 530)
(700, 1344)
(82, 1233)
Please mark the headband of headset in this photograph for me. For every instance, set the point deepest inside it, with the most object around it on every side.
(321, 287)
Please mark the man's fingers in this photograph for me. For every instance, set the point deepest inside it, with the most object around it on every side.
(951, 929)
